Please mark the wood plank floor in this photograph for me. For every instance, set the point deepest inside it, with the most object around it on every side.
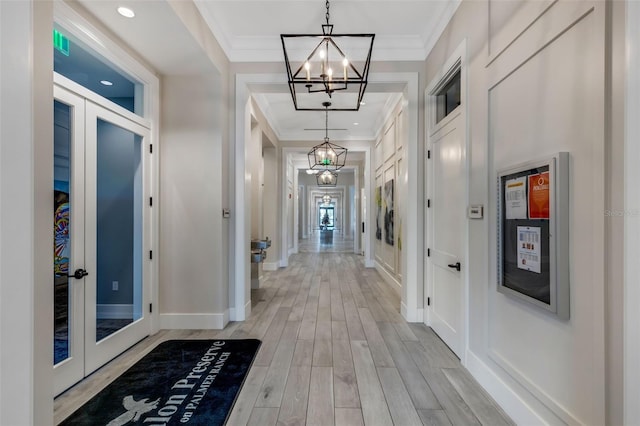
(335, 350)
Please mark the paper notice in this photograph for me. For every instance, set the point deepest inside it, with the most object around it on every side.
(515, 198)
(529, 248)
(539, 196)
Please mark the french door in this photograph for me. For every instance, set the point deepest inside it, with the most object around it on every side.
(101, 232)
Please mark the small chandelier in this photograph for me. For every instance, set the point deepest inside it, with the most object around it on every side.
(327, 178)
(327, 156)
(328, 68)
(326, 199)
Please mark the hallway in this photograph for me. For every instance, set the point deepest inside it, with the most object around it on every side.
(335, 350)
(314, 244)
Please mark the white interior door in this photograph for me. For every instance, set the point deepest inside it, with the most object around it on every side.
(117, 294)
(446, 229)
(69, 241)
(102, 239)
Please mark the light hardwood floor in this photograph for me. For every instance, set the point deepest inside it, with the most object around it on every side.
(335, 350)
(313, 243)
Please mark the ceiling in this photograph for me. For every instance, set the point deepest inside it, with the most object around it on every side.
(249, 31)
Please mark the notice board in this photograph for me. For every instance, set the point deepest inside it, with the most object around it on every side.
(533, 233)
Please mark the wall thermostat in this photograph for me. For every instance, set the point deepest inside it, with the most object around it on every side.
(476, 211)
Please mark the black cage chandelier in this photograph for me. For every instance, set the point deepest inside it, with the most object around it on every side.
(327, 156)
(337, 62)
(327, 178)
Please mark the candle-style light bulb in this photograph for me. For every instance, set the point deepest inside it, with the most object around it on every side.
(307, 67)
(345, 64)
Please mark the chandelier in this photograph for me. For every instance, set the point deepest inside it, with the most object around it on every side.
(337, 62)
(327, 178)
(327, 156)
(326, 199)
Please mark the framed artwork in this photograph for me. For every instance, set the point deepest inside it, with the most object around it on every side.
(388, 212)
(378, 213)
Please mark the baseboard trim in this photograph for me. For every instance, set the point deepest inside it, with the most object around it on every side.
(194, 321)
(114, 311)
(547, 400)
(389, 279)
(519, 411)
(411, 315)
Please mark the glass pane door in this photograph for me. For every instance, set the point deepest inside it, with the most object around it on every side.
(100, 278)
(115, 235)
(68, 239)
(61, 232)
(119, 218)
(326, 218)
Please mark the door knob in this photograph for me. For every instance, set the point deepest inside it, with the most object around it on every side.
(79, 274)
(455, 266)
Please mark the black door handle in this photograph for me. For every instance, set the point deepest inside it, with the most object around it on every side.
(79, 274)
(455, 266)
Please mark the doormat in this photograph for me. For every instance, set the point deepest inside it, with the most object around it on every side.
(180, 382)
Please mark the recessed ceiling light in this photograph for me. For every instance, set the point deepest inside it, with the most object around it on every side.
(355, 124)
(126, 12)
(106, 82)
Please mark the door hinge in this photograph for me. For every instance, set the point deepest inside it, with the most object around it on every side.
(150, 201)
(428, 301)
(428, 203)
(150, 254)
(429, 154)
(150, 307)
(150, 148)
(428, 252)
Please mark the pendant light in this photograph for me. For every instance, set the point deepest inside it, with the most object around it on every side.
(327, 63)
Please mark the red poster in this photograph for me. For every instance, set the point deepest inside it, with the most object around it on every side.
(539, 196)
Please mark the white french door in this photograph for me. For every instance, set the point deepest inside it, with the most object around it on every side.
(101, 229)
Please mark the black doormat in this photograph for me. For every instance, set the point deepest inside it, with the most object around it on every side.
(180, 382)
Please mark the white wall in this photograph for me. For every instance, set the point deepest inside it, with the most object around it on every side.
(615, 225)
(388, 160)
(221, 91)
(289, 196)
(264, 159)
(193, 288)
(254, 167)
(536, 86)
(631, 291)
(26, 212)
(270, 210)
